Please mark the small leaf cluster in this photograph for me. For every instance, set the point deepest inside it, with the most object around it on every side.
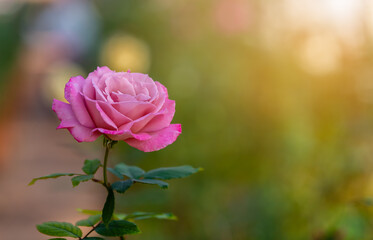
(90, 167)
(154, 177)
(106, 222)
(63, 229)
(120, 225)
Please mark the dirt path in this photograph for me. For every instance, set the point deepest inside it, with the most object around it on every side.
(40, 150)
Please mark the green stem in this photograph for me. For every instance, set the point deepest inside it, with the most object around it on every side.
(105, 162)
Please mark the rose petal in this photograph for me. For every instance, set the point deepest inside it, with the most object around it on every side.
(88, 89)
(123, 134)
(64, 113)
(118, 118)
(83, 134)
(142, 97)
(98, 81)
(99, 116)
(143, 84)
(161, 120)
(134, 110)
(68, 120)
(159, 140)
(72, 94)
(98, 92)
(118, 82)
(161, 98)
(121, 97)
(105, 116)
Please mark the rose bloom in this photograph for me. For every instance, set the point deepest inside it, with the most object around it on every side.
(120, 105)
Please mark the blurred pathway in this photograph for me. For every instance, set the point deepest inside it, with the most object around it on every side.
(40, 150)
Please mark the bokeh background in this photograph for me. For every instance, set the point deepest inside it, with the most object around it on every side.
(275, 98)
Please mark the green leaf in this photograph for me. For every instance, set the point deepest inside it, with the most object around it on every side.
(116, 173)
(145, 215)
(108, 210)
(171, 172)
(59, 229)
(162, 184)
(54, 175)
(119, 216)
(89, 212)
(91, 166)
(90, 221)
(93, 238)
(129, 171)
(117, 228)
(122, 186)
(78, 179)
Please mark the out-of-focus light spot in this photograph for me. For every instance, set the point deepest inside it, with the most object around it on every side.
(320, 54)
(233, 16)
(284, 20)
(123, 52)
(338, 14)
(56, 78)
(341, 10)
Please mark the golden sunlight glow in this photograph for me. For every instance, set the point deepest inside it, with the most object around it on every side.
(320, 54)
(342, 17)
(125, 52)
(325, 29)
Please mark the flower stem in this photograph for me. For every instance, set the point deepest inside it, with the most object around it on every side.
(105, 163)
(108, 144)
(93, 228)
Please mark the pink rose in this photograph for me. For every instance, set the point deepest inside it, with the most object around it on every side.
(122, 106)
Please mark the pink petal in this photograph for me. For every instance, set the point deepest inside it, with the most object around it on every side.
(72, 94)
(143, 84)
(118, 118)
(68, 120)
(88, 89)
(105, 117)
(123, 134)
(64, 113)
(161, 120)
(134, 110)
(99, 116)
(142, 97)
(83, 134)
(118, 82)
(161, 98)
(120, 97)
(98, 83)
(74, 82)
(98, 92)
(139, 123)
(159, 139)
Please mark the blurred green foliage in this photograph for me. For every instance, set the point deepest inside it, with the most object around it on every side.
(287, 154)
